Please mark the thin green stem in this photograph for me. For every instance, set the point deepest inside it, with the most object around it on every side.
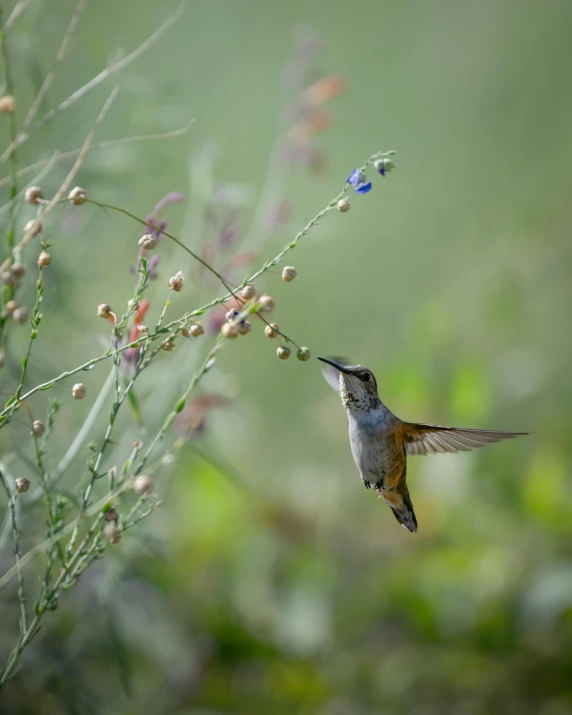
(9, 83)
(16, 536)
(165, 233)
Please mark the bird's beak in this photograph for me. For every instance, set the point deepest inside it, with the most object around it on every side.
(339, 367)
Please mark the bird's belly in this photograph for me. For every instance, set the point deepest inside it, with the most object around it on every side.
(373, 455)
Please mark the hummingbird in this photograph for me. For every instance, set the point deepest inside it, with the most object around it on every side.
(380, 441)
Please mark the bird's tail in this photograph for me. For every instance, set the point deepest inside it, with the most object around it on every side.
(401, 506)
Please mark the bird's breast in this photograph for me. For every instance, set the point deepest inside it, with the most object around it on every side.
(374, 448)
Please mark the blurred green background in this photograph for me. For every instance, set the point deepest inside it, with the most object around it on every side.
(270, 581)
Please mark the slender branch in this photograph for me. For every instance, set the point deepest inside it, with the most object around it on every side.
(165, 233)
(100, 145)
(47, 83)
(8, 81)
(19, 8)
(199, 311)
(98, 79)
(71, 175)
(16, 536)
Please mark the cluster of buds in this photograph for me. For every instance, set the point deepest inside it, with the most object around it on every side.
(19, 313)
(359, 181)
(233, 327)
(283, 351)
(195, 330)
(148, 242)
(176, 282)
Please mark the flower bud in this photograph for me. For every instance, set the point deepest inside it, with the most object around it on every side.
(44, 259)
(248, 292)
(289, 273)
(143, 484)
(132, 305)
(229, 330)
(244, 327)
(169, 346)
(232, 315)
(110, 514)
(18, 270)
(34, 226)
(33, 193)
(78, 391)
(7, 278)
(270, 330)
(384, 166)
(103, 310)
(185, 332)
(20, 315)
(197, 330)
(77, 196)
(303, 354)
(38, 428)
(7, 104)
(283, 352)
(343, 205)
(111, 532)
(176, 282)
(266, 303)
(148, 242)
(11, 306)
(22, 485)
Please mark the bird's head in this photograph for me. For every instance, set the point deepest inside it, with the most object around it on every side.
(355, 384)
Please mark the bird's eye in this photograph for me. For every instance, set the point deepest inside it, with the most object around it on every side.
(366, 377)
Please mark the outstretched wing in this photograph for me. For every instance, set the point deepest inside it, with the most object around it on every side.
(432, 439)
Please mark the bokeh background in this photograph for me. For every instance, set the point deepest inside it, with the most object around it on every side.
(270, 581)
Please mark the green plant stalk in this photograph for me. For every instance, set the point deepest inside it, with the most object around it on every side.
(199, 311)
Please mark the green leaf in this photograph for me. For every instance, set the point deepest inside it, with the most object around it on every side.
(134, 407)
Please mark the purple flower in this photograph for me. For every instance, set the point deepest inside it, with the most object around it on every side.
(381, 170)
(356, 178)
(363, 188)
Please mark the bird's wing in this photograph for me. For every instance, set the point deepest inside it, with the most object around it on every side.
(432, 439)
(330, 373)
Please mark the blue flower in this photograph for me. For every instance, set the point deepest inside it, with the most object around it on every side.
(363, 188)
(356, 178)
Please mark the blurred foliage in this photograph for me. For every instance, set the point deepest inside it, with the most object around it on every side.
(270, 581)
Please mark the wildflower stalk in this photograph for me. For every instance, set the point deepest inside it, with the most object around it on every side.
(9, 84)
(16, 537)
(180, 404)
(7, 411)
(95, 81)
(34, 325)
(69, 178)
(191, 253)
